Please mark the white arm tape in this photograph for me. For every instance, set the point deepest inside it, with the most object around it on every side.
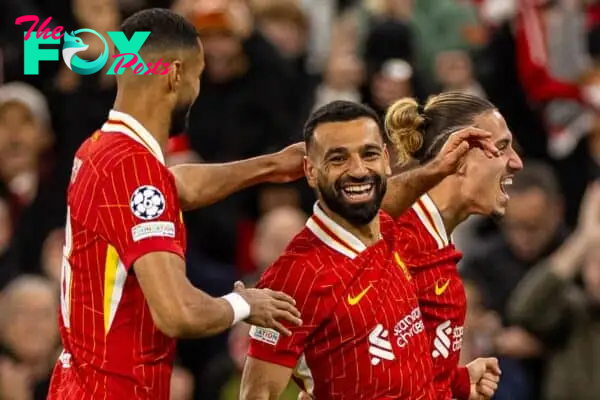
(241, 308)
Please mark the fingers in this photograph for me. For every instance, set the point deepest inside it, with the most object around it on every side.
(278, 326)
(487, 388)
(287, 316)
(492, 377)
(282, 305)
(475, 138)
(491, 364)
(281, 296)
(471, 133)
(304, 396)
(488, 148)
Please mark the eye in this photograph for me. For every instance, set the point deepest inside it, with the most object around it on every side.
(371, 155)
(503, 145)
(336, 160)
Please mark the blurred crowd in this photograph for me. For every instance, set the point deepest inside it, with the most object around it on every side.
(533, 279)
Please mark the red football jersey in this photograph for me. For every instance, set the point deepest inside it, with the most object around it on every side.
(122, 204)
(431, 258)
(363, 335)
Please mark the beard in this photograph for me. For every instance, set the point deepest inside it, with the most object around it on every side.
(180, 118)
(358, 214)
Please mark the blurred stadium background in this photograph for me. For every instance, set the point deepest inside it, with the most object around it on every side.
(269, 63)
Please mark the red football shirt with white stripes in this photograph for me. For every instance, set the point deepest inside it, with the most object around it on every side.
(363, 335)
(122, 204)
(431, 258)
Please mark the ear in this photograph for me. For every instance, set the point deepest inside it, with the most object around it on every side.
(175, 76)
(386, 158)
(310, 172)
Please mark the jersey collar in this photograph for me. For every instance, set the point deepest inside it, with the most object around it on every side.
(430, 217)
(333, 234)
(126, 124)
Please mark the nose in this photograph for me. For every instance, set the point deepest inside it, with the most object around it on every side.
(515, 163)
(357, 167)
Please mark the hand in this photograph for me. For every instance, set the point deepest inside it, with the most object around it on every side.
(589, 215)
(518, 343)
(452, 155)
(15, 382)
(484, 374)
(268, 307)
(288, 164)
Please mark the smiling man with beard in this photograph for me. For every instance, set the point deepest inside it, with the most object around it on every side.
(363, 335)
(124, 292)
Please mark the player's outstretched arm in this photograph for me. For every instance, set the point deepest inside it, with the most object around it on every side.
(263, 380)
(199, 185)
(404, 189)
(180, 310)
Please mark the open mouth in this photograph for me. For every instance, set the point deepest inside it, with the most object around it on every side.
(358, 192)
(504, 182)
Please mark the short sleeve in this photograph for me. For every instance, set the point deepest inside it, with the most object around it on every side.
(139, 210)
(296, 279)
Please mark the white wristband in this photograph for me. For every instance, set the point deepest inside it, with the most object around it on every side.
(241, 308)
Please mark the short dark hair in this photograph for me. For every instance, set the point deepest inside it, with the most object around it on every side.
(340, 111)
(420, 131)
(168, 30)
(537, 175)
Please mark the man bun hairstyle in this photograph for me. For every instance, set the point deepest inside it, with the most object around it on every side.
(403, 122)
(420, 132)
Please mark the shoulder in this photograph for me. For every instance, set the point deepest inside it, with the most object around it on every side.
(299, 268)
(112, 152)
(413, 237)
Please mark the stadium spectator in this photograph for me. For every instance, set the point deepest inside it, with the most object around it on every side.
(28, 338)
(564, 312)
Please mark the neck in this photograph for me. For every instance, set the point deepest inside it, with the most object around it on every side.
(446, 197)
(153, 115)
(368, 234)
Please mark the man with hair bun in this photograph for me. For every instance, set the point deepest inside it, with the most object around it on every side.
(477, 187)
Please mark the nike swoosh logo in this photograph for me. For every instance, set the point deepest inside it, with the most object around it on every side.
(354, 300)
(439, 290)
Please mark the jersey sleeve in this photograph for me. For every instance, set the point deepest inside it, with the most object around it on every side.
(294, 278)
(139, 209)
(460, 383)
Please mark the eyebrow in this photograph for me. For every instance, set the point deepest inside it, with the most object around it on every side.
(344, 150)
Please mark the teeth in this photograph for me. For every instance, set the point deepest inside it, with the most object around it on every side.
(358, 188)
(507, 181)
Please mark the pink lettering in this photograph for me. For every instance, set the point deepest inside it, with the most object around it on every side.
(149, 70)
(165, 66)
(138, 69)
(166, 69)
(152, 67)
(152, 70)
(130, 63)
(43, 30)
(56, 33)
(28, 18)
